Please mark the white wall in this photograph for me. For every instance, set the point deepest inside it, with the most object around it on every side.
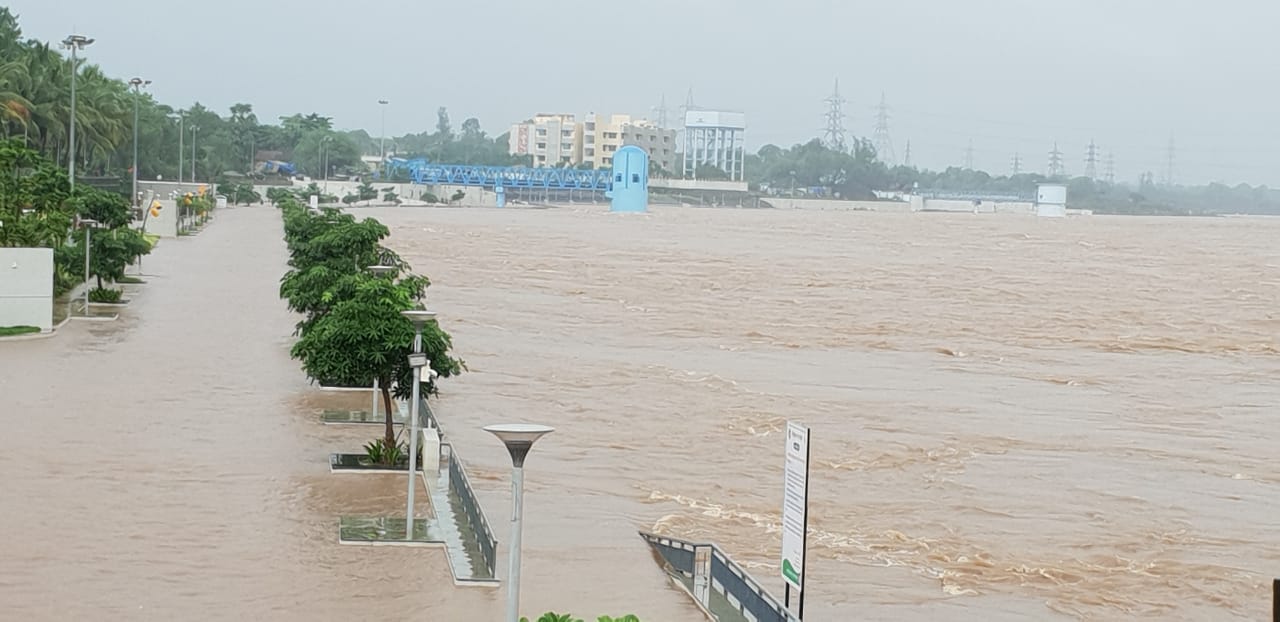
(26, 287)
(166, 224)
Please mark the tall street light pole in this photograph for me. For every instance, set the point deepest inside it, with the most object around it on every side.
(194, 128)
(417, 361)
(137, 84)
(324, 159)
(75, 43)
(382, 140)
(181, 148)
(519, 439)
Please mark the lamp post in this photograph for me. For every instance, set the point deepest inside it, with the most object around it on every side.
(181, 148)
(324, 159)
(194, 128)
(137, 84)
(75, 43)
(417, 361)
(519, 439)
(382, 140)
(88, 224)
(378, 270)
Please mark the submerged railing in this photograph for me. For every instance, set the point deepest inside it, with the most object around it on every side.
(461, 486)
(718, 584)
(487, 544)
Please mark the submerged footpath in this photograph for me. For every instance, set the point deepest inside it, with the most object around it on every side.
(172, 462)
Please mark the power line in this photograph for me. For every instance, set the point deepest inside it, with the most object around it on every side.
(835, 134)
(883, 143)
(1091, 161)
(1055, 162)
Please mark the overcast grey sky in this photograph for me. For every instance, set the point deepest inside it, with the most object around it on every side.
(1010, 75)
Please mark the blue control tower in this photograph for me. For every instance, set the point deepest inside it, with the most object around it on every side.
(630, 180)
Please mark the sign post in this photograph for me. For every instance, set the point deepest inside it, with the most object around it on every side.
(795, 511)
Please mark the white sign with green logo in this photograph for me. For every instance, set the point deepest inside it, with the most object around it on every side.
(795, 504)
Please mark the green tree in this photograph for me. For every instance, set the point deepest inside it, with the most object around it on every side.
(364, 337)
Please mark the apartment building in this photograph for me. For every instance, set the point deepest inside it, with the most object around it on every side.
(552, 140)
(560, 140)
(603, 135)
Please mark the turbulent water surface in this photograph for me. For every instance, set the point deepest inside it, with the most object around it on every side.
(1012, 418)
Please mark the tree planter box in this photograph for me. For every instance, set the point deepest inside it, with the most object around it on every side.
(358, 417)
(386, 531)
(357, 463)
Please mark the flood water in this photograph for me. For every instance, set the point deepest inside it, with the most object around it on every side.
(1012, 419)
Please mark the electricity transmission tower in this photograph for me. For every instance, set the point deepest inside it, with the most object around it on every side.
(662, 112)
(884, 144)
(1111, 167)
(1091, 161)
(835, 134)
(1055, 162)
(1168, 171)
(906, 159)
(1017, 163)
(968, 156)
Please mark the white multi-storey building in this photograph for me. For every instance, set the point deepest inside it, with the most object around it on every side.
(714, 138)
(552, 139)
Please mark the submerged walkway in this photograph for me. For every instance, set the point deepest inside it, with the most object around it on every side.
(172, 463)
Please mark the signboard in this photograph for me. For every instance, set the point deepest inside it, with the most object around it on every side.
(795, 505)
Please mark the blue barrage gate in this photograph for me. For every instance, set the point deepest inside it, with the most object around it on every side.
(422, 172)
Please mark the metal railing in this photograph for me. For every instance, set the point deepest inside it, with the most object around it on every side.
(485, 540)
(461, 486)
(717, 583)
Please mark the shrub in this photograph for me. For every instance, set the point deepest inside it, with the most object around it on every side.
(104, 295)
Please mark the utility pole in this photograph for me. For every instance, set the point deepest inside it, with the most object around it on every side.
(968, 156)
(1017, 163)
(1111, 167)
(1055, 162)
(883, 143)
(834, 137)
(1091, 161)
(1168, 172)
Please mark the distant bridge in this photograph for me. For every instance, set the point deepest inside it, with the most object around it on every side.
(422, 172)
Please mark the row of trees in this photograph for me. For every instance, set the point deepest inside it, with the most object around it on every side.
(855, 173)
(352, 331)
(35, 106)
(39, 209)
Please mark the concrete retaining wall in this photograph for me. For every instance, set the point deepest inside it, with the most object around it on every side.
(837, 205)
(26, 287)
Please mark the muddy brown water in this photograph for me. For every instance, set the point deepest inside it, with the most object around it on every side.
(1012, 419)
